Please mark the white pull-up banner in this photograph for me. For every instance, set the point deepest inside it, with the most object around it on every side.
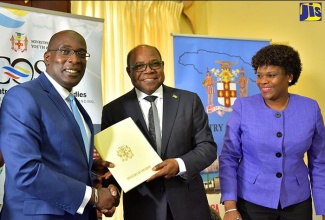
(24, 39)
(25, 33)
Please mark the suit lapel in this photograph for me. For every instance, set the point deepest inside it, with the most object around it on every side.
(66, 112)
(133, 110)
(171, 100)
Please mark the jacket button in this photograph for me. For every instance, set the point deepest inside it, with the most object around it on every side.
(279, 134)
(278, 154)
(278, 115)
(279, 175)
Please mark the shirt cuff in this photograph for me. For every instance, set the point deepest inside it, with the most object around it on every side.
(85, 200)
(181, 166)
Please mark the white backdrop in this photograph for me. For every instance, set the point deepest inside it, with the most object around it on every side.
(25, 33)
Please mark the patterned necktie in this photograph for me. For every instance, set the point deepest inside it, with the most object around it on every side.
(154, 125)
(78, 118)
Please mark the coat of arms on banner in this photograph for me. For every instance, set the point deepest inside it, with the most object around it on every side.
(19, 42)
(219, 71)
(222, 81)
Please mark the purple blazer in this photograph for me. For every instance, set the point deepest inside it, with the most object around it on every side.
(262, 158)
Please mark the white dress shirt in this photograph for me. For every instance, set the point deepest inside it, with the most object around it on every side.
(145, 106)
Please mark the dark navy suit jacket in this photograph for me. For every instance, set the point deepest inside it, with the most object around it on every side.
(186, 135)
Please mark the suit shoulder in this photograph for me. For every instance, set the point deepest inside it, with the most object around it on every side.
(303, 103)
(24, 88)
(300, 98)
(180, 91)
(253, 99)
(115, 101)
(119, 99)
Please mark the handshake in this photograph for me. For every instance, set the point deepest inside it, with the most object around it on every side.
(103, 199)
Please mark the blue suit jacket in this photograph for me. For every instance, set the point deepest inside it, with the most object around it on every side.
(186, 135)
(262, 159)
(46, 165)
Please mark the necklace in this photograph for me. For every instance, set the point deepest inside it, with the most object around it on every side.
(276, 107)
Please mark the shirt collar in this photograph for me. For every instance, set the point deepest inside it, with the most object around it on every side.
(64, 93)
(142, 95)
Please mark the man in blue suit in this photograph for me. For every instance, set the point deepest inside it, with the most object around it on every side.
(48, 170)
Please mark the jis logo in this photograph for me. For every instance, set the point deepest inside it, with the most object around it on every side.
(311, 11)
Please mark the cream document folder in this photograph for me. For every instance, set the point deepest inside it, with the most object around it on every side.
(124, 145)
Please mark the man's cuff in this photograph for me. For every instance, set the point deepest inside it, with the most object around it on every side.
(85, 200)
(181, 166)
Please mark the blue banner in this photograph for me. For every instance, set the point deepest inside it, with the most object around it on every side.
(219, 71)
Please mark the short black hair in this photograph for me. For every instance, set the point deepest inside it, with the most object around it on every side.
(279, 55)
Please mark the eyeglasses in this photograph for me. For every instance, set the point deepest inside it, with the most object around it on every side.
(154, 65)
(70, 52)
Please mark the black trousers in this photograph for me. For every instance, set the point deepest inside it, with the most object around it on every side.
(251, 211)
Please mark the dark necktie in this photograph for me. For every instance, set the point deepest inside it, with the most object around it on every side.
(78, 118)
(154, 125)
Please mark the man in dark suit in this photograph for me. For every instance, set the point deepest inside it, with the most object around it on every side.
(48, 164)
(176, 191)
